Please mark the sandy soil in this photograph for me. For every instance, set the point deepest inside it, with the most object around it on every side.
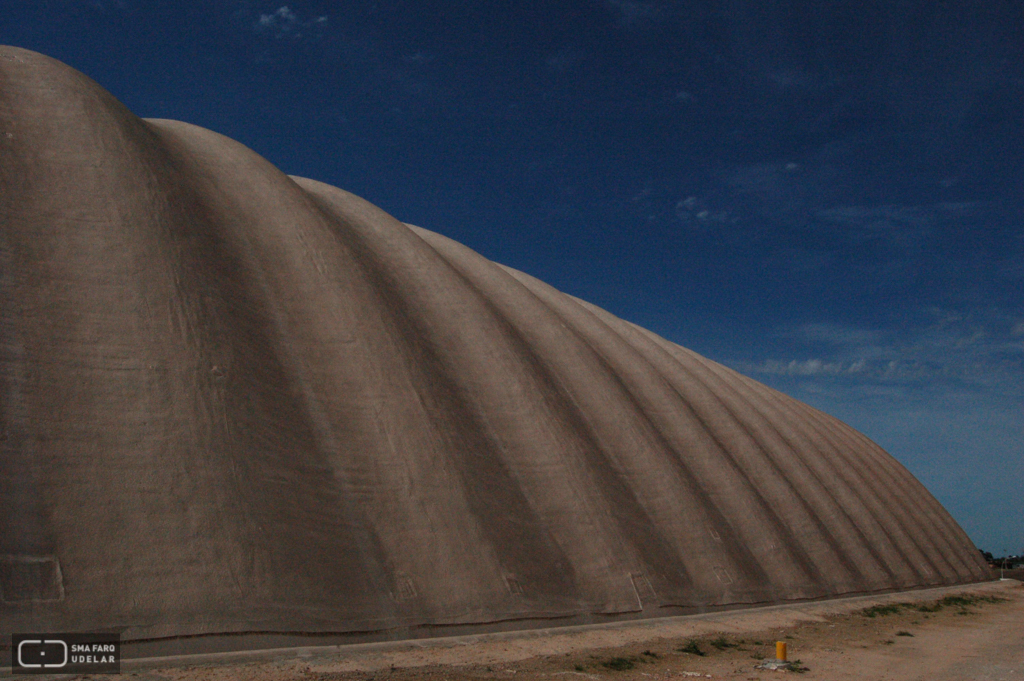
(947, 634)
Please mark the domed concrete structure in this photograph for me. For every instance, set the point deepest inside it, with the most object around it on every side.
(235, 401)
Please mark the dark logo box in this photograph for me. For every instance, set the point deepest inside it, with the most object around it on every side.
(65, 654)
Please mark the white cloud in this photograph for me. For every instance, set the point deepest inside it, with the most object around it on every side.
(941, 389)
(285, 23)
(941, 350)
(810, 367)
(694, 213)
(283, 16)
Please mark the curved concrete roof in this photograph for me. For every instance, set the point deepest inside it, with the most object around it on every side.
(237, 401)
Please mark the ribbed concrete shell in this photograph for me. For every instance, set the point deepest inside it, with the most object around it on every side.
(235, 401)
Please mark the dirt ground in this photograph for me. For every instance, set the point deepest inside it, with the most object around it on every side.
(952, 634)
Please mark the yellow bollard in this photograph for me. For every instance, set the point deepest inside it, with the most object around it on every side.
(780, 650)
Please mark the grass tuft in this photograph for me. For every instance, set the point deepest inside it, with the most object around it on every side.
(961, 601)
(722, 643)
(619, 664)
(881, 610)
(692, 648)
(798, 667)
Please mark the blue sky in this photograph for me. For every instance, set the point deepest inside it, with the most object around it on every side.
(826, 196)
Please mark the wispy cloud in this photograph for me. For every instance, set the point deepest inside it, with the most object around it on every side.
(905, 226)
(883, 218)
(809, 367)
(698, 215)
(837, 334)
(904, 371)
(766, 179)
(285, 23)
(941, 388)
(945, 350)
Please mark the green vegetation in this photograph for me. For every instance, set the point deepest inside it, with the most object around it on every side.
(692, 648)
(881, 610)
(903, 633)
(618, 664)
(798, 667)
(722, 643)
(961, 601)
(648, 653)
